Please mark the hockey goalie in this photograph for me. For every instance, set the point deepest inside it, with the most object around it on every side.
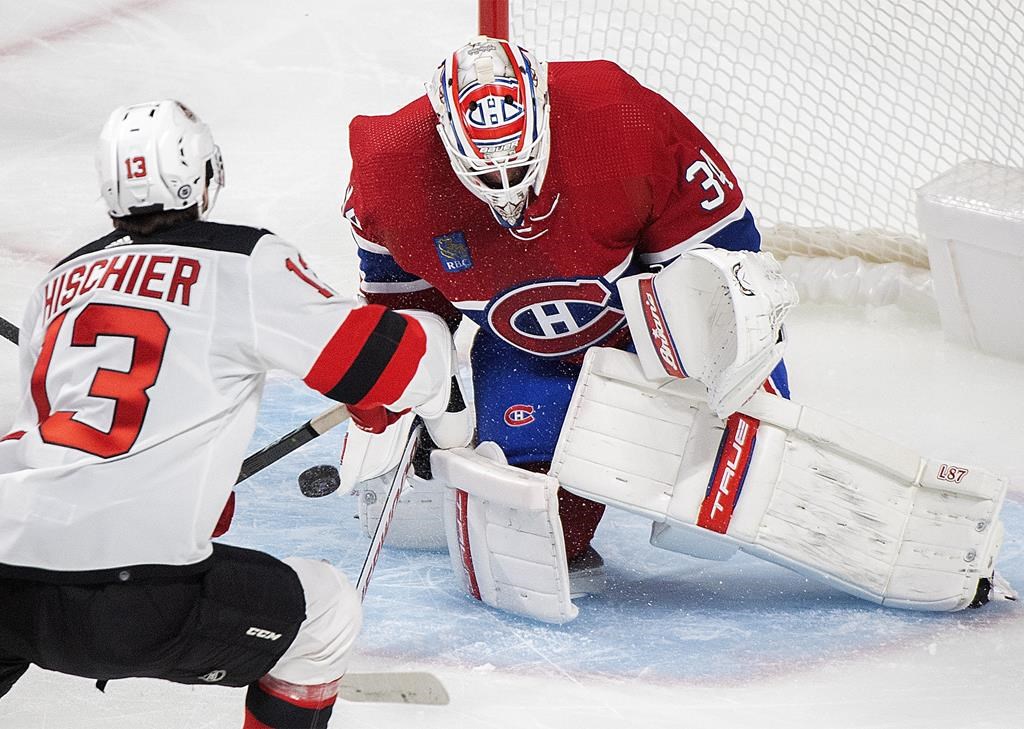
(628, 354)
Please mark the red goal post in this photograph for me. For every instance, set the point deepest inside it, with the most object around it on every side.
(831, 114)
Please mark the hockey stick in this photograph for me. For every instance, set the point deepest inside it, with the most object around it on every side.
(312, 428)
(397, 687)
(388, 510)
(8, 331)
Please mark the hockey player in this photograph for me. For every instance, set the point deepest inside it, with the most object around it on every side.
(143, 359)
(517, 194)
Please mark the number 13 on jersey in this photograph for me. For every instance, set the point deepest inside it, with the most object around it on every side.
(127, 389)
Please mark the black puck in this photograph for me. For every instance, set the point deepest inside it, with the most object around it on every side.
(319, 481)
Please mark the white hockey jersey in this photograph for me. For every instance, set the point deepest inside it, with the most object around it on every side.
(143, 362)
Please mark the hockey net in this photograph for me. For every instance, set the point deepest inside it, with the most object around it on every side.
(831, 112)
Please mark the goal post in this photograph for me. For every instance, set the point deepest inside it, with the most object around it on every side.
(832, 113)
(493, 18)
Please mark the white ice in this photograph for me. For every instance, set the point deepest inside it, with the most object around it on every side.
(674, 642)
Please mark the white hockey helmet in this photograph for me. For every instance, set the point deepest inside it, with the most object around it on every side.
(491, 101)
(156, 157)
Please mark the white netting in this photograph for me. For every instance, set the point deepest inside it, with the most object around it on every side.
(831, 112)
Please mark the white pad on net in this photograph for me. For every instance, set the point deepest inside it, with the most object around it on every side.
(504, 534)
(783, 482)
(713, 315)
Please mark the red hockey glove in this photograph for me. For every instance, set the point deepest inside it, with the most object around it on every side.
(374, 419)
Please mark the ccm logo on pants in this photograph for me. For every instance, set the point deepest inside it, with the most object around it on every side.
(261, 633)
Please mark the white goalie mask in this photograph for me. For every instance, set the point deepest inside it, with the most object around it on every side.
(491, 101)
(156, 157)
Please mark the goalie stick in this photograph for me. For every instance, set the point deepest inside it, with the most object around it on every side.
(397, 687)
(392, 687)
(388, 510)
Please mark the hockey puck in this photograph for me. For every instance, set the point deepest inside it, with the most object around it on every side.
(319, 481)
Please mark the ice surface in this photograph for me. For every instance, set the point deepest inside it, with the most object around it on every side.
(674, 642)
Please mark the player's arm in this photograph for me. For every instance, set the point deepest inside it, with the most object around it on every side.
(695, 198)
(377, 361)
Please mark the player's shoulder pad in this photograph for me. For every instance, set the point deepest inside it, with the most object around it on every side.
(107, 241)
(201, 234)
(221, 237)
(608, 81)
(399, 133)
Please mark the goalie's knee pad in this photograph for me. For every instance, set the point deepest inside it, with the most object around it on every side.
(504, 535)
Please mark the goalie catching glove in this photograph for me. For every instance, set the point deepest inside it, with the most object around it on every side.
(713, 315)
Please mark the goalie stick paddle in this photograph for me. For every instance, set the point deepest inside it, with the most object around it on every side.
(8, 331)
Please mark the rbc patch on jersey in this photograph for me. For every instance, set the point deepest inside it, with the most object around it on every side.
(453, 251)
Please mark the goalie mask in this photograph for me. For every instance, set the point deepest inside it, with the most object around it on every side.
(491, 101)
(156, 157)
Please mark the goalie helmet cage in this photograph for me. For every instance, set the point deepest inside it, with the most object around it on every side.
(831, 112)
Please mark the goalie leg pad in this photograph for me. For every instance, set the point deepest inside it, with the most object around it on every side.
(504, 535)
(368, 464)
(783, 482)
(418, 521)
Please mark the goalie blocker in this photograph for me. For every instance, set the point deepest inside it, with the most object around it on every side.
(784, 483)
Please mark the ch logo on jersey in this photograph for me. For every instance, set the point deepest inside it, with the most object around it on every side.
(517, 416)
(556, 318)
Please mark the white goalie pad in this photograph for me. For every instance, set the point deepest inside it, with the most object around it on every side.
(782, 482)
(366, 455)
(368, 463)
(418, 520)
(504, 534)
(713, 315)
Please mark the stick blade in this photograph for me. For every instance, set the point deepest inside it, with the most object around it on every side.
(393, 688)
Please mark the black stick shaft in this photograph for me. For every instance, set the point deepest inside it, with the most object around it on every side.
(287, 443)
(8, 331)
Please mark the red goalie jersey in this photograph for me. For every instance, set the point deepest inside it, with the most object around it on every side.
(631, 183)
